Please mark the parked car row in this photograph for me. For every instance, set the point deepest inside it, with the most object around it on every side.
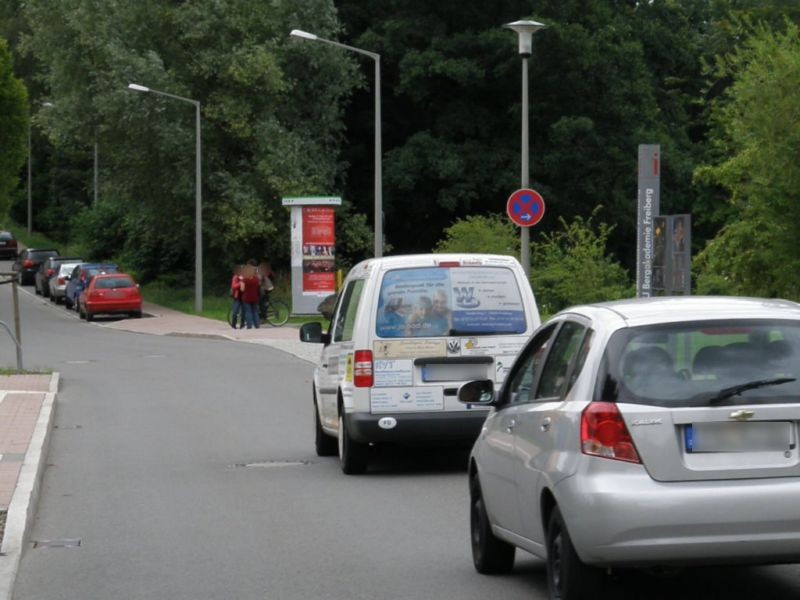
(645, 433)
(90, 288)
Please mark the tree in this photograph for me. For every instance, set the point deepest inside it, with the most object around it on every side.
(757, 134)
(13, 128)
(490, 234)
(271, 120)
(572, 266)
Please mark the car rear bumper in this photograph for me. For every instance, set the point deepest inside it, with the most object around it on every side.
(444, 427)
(8, 253)
(108, 308)
(632, 520)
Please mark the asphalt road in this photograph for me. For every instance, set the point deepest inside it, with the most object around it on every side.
(144, 469)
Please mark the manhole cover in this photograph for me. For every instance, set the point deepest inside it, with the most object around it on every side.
(65, 543)
(272, 464)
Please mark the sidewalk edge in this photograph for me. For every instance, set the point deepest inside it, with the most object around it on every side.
(26, 495)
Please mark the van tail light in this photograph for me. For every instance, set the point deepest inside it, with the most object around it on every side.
(449, 263)
(27, 263)
(604, 433)
(362, 368)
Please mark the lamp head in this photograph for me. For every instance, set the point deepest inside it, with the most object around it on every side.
(299, 33)
(525, 31)
(138, 88)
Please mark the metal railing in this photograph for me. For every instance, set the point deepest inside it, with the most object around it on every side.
(17, 339)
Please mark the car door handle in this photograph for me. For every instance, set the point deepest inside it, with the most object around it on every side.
(546, 422)
(510, 424)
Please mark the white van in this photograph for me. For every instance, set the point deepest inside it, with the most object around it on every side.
(405, 333)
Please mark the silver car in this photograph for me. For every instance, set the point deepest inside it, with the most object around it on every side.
(58, 283)
(642, 433)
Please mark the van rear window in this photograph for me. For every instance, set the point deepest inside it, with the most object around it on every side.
(443, 301)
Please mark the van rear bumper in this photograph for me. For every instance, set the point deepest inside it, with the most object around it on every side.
(461, 426)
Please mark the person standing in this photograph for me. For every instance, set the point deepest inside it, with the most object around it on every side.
(237, 287)
(250, 295)
(265, 276)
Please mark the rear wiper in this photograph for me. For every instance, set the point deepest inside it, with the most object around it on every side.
(736, 390)
(466, 332)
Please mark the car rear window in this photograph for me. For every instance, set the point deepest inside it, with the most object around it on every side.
(442, 301)
(6, 236)
(703, 363)
(42, 254)
(112, 283)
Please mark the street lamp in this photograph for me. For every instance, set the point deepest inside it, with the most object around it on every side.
(525, 31)
(30, 173)
(304, 35)
(198, 232)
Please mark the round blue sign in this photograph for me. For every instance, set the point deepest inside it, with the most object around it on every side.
(525, 207)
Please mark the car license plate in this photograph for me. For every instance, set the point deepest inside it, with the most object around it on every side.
(735, 436)
(113, 295)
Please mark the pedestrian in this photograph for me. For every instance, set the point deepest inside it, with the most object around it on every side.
(266, 276)
(250, 293)
(237, 287)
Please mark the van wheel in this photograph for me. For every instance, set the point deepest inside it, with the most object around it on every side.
(352, 455)
(325, 444)
(568, 578)
(490, 555)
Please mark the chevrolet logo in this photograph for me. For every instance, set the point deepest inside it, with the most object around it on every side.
(741, 415)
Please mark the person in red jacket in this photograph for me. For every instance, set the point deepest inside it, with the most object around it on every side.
(237, 285)
(250, 295)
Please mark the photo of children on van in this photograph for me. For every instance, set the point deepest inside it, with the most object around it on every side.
(425, 302)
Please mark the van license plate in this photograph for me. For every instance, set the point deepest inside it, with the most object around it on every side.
(738, 437)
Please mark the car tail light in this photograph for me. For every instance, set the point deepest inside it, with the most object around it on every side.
(61, 281)
(27, 263)
(362, 368)
(604, 433)
(50, 272)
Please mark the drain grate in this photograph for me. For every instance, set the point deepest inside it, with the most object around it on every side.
(65, 543)
(272, 464)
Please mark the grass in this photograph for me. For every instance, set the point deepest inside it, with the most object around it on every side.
(9, 371)
(38, 240)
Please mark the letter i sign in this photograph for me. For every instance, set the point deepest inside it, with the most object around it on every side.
(525, 207)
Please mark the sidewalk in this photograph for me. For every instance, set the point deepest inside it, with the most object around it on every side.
(27, 404)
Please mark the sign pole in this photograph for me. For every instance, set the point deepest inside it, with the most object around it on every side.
(525, 234)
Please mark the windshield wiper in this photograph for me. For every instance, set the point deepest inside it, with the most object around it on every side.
(736, 390)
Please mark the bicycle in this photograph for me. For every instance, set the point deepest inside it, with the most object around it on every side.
(274, 312)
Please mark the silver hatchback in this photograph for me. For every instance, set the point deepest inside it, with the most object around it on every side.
(642, 433)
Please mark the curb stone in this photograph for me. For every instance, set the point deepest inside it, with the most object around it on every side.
(21, 510)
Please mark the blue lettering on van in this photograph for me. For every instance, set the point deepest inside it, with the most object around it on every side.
(465, 297)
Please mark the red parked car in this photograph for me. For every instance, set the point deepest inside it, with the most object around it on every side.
(110, 294)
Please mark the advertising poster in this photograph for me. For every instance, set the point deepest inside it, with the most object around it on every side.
(439, 302)
(319, 236)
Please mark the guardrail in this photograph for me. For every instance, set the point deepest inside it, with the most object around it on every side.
(17, 339)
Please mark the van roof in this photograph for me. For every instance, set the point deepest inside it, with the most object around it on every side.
(429, 260)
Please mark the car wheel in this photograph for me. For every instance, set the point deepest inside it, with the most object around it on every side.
(89, 316)
(352, 455)
(568, 578)
(490, 555)
(36, 289)
(324, 444)
(137, 314)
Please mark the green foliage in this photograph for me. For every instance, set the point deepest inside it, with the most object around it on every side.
(757, 134)
(491, 234)
(271, 110)
(571, 266)
(13, 128)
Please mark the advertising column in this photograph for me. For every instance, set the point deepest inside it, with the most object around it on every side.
(313, 251)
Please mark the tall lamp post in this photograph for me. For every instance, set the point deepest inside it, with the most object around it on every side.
(525, 31)
(30, 173)
(378, 169)
(198, 207)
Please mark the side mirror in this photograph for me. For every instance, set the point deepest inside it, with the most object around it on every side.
(479, 392)
(311, 332)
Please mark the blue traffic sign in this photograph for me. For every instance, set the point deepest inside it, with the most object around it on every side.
(525, 207)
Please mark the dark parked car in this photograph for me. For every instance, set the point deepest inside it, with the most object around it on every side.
(79, 279)
(8, 245)
(48, 269)
(28, 263)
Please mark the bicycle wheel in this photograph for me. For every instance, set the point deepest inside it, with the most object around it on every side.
(230, 318)
(277, 313)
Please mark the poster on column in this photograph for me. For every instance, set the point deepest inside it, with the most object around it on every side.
(319, 236)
